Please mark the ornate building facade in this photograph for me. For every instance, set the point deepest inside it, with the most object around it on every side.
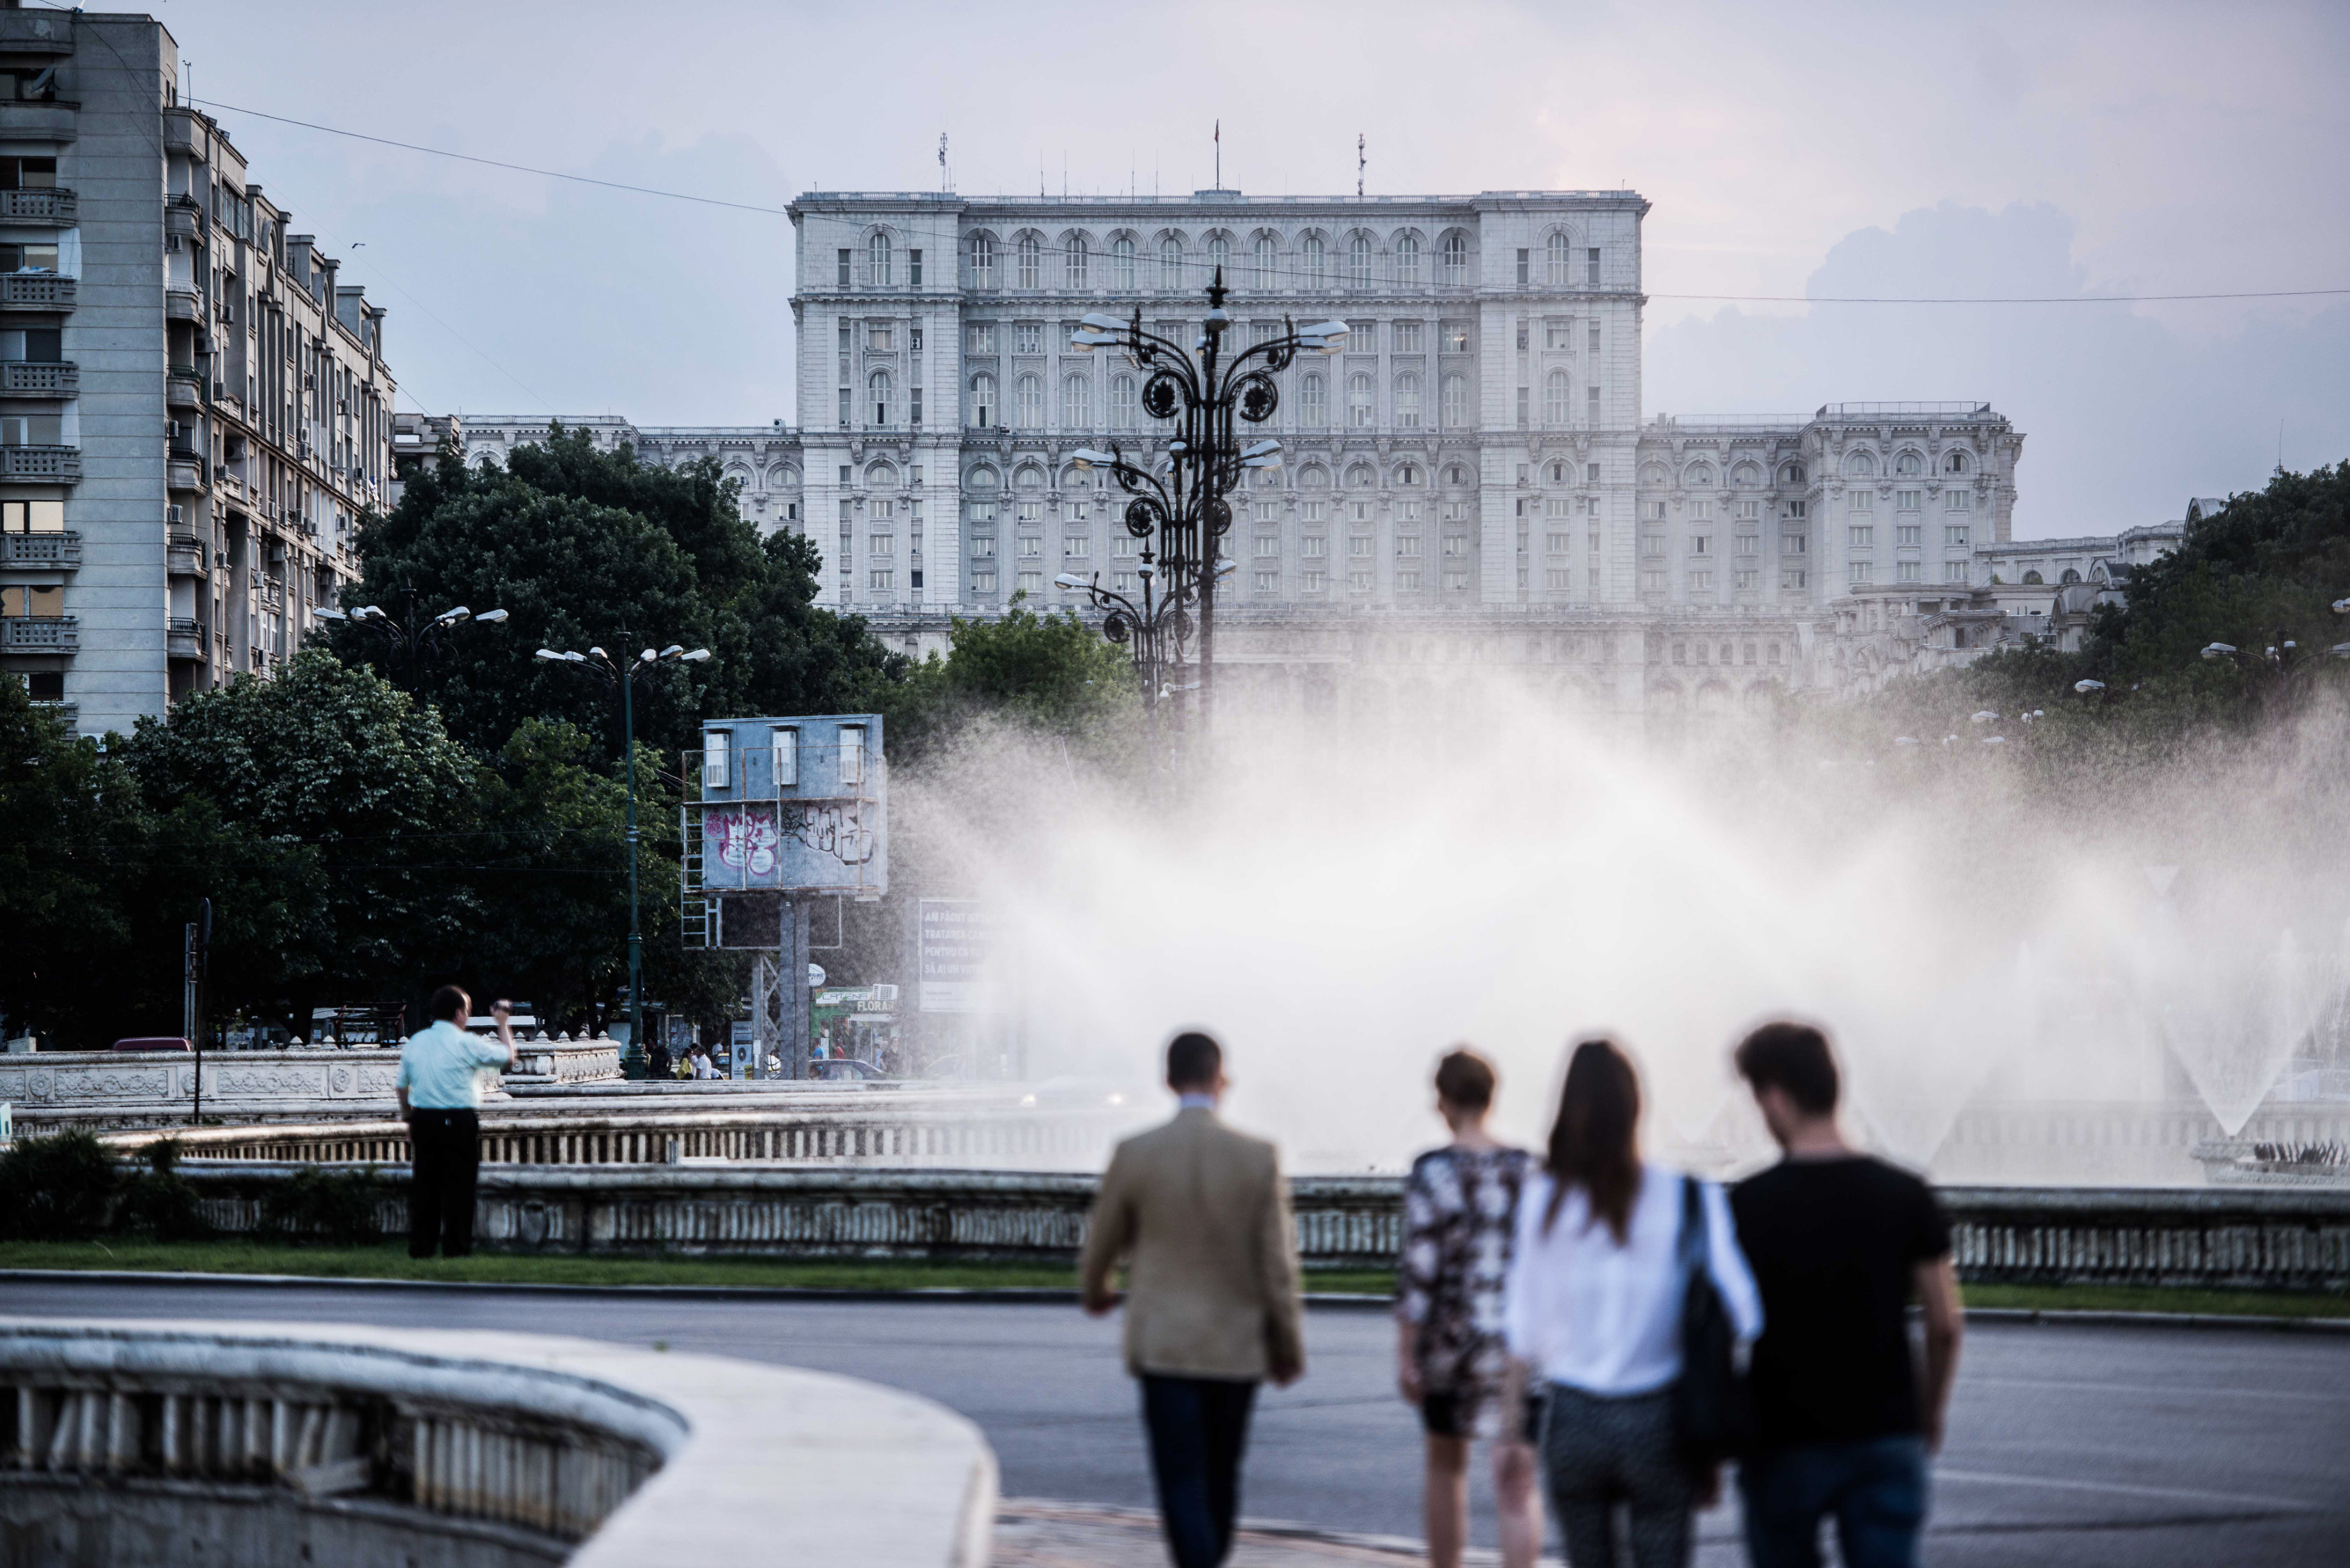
(1472, 480)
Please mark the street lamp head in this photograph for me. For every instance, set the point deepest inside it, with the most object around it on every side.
(1225, 567)
(551, 656)
(1985, 717)
(1261, 449)
(1085, 458)
(1327, 335)
(648, 656)
(1101, 323)
(2086, 687)
(672, 650)
(323, 613)
(2341, 606)
(373, 612)
(594, 652)
(2219, 651)
(694, 656)
(1071, 580)
(451, 616)
(490, 617)
(2340, 650)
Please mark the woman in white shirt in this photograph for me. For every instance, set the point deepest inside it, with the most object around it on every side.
(1593, 1308)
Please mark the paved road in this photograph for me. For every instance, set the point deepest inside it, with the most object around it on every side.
(2071, 1446)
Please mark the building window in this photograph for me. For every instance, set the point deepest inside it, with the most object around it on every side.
(1315, 582)
(1028, 338)
(1313, 402)
(1861, 537)
(1557, 577)
(1794, 543)
(1121, 403)
(1220, 256)
(1701, 544)
(914, 272)
(1358, 261)
(1456, 544)
(1407, 545)
(1955, 536)
(1910, 571)
(1652, 581)
(1954, 571)
(1407, 402)
(1525, 277)
(982, 261)
(846, 399)
(1591, 404)
(1556, 397)
(1557, 261)
(1268, 544)
(1747, 581)
(1908, 500)
(1316, 261)
(1267, 582)
(1359, 401)
(1456, 259)
(1032, 545)
(842, 278)
(1032, 263)
(1406, 260)
(1030, 391)
(1032, 582)
(983, 401)
(1077, 546)
(914, 404)
(1406, 336)
(1314, 546)
(1121, 263)
(1267, 251)
(1358, 582)
(1795, 580)
(1073, 262)
(1859, 571)
(1701, 582)
(1907, 533)
(983, 336)
(1407, 582)
(1456, 582)
(1591, 266)
(880, 545)
(880, 582)
(32, 518)
(876, 260)
(1076, 403)
(1958, 501)
(1170, 263)
(878, 386)
(982, 582)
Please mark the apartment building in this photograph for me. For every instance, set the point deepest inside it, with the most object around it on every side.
(194, 412)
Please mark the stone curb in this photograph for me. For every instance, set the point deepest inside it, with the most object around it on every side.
(2054, 1317)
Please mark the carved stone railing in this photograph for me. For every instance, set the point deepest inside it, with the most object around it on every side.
(270, 1443)
(2290, 1239)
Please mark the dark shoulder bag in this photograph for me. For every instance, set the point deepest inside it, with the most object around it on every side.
(1713, 1410)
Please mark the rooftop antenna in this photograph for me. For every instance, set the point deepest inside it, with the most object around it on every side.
(944, 185)
(1220, 165)
(1362, 161)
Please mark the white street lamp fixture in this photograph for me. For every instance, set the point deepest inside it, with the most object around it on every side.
(2084, 687)
(2219, 651)
(551, 656)
(1086, 457)
(1071, 580)
(672, 650)
(1101, 323)
(694, 656)
(2340, 650)
(490, 617)
(2341, 606)
(1225, 567)
(1261, 449)
(322, 613)
(1985, 717)
(1904, 739)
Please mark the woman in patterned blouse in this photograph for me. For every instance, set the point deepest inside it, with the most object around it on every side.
(1459, 1211)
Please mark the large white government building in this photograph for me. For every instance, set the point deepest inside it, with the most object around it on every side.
(1472, 480)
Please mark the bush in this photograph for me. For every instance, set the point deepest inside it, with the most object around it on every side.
(158, 1204)
(55, 1188)
(337, 1207)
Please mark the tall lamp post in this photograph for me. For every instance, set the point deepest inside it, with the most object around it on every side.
(598, 663)
(1208, 392)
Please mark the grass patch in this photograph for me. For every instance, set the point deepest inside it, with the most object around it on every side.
(390, 1261)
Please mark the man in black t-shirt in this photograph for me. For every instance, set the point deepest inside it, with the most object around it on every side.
(1839, 1243)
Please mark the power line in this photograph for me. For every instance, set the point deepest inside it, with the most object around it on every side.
(1330, 278)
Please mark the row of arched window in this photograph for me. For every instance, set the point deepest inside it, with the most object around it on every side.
(1409, 473)
(1907, 464)
(1353, 262)
(1406, 406)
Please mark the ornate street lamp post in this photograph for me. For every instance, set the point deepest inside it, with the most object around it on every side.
(598, 663)
(1208, 392)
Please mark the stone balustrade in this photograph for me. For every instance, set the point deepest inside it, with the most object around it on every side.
(140, 1444)
(2282, 1239)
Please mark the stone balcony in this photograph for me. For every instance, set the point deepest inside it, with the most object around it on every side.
(182, 305)
(187, 470)
(34, 379)
(55, 463)
(297, 1442)
(183, 638)
(183, 555)
(183, 386)
(51, 207)
(39, 634)
(37, 291)
(40, 552)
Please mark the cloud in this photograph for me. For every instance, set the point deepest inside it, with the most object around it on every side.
(2125, 410)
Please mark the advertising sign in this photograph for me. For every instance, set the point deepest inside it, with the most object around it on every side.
(956, 940)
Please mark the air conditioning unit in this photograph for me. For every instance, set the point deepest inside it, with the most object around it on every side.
(172, 515)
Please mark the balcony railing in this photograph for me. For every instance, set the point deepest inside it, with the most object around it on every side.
(40, 551)
(183, 555)
(183, 638)
(33, 378)
(35, 291)
(55, 463)
(51, 206)
(40, 634)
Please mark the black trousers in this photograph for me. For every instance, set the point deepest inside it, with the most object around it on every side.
(1198, 1430)
(446, 1151)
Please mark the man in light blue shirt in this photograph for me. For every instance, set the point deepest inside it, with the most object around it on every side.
(440, 1090)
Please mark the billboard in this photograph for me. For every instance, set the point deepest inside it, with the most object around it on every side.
(790, 805)
(956, 940)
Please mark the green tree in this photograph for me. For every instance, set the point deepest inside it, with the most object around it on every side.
(1051, 675)
(576, 543)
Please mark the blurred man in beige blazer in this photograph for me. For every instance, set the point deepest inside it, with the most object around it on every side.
(1211, 1305)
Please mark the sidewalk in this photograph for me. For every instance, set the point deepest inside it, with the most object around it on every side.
(1031, 1532)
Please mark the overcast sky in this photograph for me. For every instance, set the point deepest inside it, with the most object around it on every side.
(1799, 149)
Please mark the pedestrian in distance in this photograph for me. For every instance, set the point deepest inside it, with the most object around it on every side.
(1460, 1218)
(1200, 1215)
(1840, 1243)
(1607, 1246)
(440, 1090)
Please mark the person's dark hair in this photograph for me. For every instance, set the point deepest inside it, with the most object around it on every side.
(1594, 1144)
(1466, 1079)
(449, 1001)
(1193, 1060)
(1794, 1057)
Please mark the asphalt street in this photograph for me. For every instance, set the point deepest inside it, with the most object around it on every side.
(2069, 1445)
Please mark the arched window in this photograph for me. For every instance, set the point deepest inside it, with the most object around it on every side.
(1407, 474)
(983, 401)
(2070, 575)
(1121, 263)
(881, 476)
(1121, 403)
(876, 260)
(1358, 261)
(1557, 401)
(1908, 463)
(1406, 260)
(1456, 259)
(1076, 404)
(1317, 262)
(1316, 479)
(1359, 401)
(1791, 475)
(1860, 465)
(1955, 463)
(1456, 474)
(1313, 402)
(1073, 262)
(982, 261)
(1699, 477)
(1407, 402)
(2034, 578)
(1267, 253)
(878, 384)
(1030, 391)
(1170, 263)
(1032, 263)
(1364, 478)
(1456, 402)
(1220, 255)
(1556, 261)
